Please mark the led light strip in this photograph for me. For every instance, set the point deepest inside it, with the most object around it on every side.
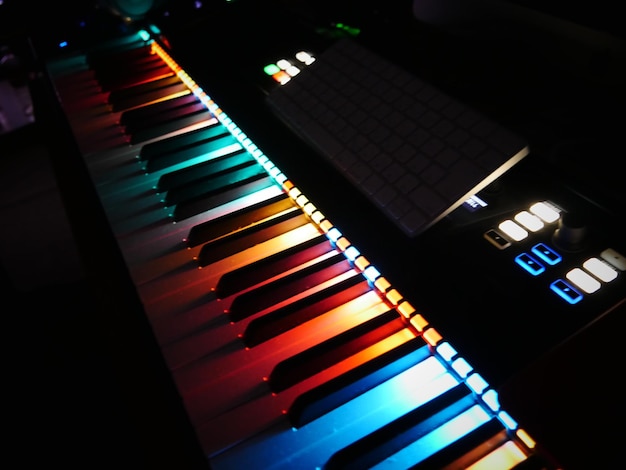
(457, 365)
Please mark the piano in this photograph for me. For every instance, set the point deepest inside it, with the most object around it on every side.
(291, 325)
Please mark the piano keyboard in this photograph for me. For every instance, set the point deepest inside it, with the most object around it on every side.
(287, 347)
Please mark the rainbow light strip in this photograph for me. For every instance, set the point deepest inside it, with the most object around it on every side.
(457, 365)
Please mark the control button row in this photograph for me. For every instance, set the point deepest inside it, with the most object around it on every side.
(524, 222)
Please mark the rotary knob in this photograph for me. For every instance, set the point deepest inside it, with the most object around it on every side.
(572, 233)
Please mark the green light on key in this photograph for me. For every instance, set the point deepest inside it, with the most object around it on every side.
(271, 69)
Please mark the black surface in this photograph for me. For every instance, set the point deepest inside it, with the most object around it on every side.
(500, 319)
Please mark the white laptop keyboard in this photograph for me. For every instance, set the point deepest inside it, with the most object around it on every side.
(414, 151)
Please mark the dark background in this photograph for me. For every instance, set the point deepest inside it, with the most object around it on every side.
(74, 399)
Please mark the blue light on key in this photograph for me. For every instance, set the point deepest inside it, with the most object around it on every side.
(530, 264)
(313, 444)
(567, 292)
(546, 253)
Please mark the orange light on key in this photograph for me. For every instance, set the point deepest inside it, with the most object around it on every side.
(281, 77)
(432, 336)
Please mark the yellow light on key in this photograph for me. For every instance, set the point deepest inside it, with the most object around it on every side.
(432, 336)
(406, 310)
(419, 322)
(382, 284)
(394, 297)
(507, 455)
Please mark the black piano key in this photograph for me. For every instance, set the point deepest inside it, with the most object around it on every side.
(271, 266)
(167, 121)
(314, 360)
(398, 434)
(188, 175)
(139, 95)
(175, 149)
(146, 116)
(222, 226)
(123, 63)
(268, 295)
(213, 183)
(151, 74)
(251, 236)
(466, 445)
(113, 45)
(119, 71)
(328, 396)
(197, 206)
(296, 313)
(126, 50)
(118, 67)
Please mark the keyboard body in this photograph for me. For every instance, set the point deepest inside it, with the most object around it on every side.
(259, 316)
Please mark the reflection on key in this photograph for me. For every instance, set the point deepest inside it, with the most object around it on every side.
(267, 268)
(323, 355)
(506, 456)
(390, 439)
(318, 401)
(312, 445)
(323, 274)
(299, 312)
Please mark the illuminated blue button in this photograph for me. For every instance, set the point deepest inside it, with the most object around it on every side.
(530, 264)
(546, 253)
(567, 292)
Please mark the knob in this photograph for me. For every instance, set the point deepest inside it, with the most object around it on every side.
(571, 234)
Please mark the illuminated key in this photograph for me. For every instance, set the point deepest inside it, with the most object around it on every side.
(415, 425)
(583, 280)
(513, 230)
(546, 253)
(271, 69)
(545, 212)
(326, 354)
(530, 221)
(599, 269)
(507, 455)
(565, 291)
(530, 264)
(292, 70)
(281, 77)
(436, 440)
(305, 57)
